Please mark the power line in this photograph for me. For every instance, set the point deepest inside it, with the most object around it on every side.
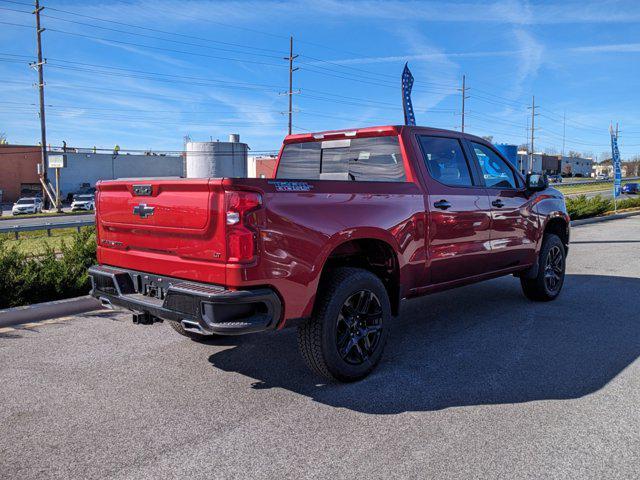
(111, 67)
(172, 50)
(17, 3)
(162, 31)
(18, 25)
(15, 10)
(375, 82)
(368, 72)
(165, 39)
(485, 96)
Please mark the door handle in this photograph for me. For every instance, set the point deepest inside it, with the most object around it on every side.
(442, 205)
(497, 203)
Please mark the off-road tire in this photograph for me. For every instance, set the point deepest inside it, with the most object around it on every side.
(538, 288)
(318, 340)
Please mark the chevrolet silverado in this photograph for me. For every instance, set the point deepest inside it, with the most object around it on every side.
(352, 223)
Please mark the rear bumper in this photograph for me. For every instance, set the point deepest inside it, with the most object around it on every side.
(200, 308)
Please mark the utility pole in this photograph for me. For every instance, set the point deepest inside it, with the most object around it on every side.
(291, 58)
(464, 97)
(564, 129)
(43, 127)
(533, 129)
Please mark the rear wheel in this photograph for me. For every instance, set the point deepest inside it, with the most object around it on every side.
(345, 338)
(547, 284)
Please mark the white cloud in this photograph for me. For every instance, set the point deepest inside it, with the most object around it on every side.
(421, 56)
(531, 57)
(608, 48)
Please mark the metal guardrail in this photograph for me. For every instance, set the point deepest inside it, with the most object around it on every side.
(594, 182)
(48, 226)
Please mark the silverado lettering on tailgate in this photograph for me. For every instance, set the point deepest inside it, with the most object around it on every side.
(283, 186)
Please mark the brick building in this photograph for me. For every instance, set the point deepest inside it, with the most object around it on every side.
(18, 171)
(262, 167)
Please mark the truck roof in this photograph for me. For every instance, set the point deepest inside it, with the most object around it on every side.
(374, 131)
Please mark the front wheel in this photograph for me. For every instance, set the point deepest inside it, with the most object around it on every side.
(346, 335)
(547, 284)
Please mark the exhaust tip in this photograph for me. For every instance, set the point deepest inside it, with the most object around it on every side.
(194, 327)
(106, 303)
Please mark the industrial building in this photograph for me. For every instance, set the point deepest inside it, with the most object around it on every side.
(18, 171)
(556, 164)
(576, 166)
(19, 166)
(84, 169)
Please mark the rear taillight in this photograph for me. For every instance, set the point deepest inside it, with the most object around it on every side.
(241, 221)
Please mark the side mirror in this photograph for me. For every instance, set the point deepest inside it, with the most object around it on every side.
(537, 182)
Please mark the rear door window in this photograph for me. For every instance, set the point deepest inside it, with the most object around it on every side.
(375, 159)
(445, 161)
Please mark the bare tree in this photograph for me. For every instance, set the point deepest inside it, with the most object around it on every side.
(3, 138)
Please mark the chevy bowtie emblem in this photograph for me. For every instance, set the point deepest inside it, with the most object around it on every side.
(143, 210)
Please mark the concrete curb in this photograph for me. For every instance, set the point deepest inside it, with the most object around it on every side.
(587, 221)
(47, 310)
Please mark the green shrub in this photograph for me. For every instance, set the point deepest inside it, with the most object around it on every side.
(51, 276)
(583, 207)
(629, 203)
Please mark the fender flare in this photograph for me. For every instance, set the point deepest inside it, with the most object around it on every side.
(340, 238)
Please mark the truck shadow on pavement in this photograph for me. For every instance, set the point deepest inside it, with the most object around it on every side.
(482, 344)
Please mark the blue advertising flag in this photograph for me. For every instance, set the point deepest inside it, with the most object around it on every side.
(615, 158)
(407, 84)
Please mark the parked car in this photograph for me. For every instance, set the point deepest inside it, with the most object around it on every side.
(602, 176)
(555, 178)
(630, 188)
(83, 202)
(353, 222)
(27, 205)
(83, 191)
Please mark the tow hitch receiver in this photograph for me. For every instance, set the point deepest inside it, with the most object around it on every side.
(145, 318)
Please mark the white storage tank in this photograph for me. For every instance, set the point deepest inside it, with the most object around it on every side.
(217, 159)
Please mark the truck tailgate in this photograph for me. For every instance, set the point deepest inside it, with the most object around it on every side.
(168, 227)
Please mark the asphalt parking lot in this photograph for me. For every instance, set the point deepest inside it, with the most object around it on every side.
(475, 383)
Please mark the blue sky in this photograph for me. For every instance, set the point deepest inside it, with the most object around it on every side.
(210, 68)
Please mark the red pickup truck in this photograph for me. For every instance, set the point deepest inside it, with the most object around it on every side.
(353, 222)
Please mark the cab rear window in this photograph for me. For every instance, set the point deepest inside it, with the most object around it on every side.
(374, 159)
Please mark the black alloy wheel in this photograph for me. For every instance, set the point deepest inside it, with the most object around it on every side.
(550, 271)
(345, 337)
(554, 269)
(359, 327)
